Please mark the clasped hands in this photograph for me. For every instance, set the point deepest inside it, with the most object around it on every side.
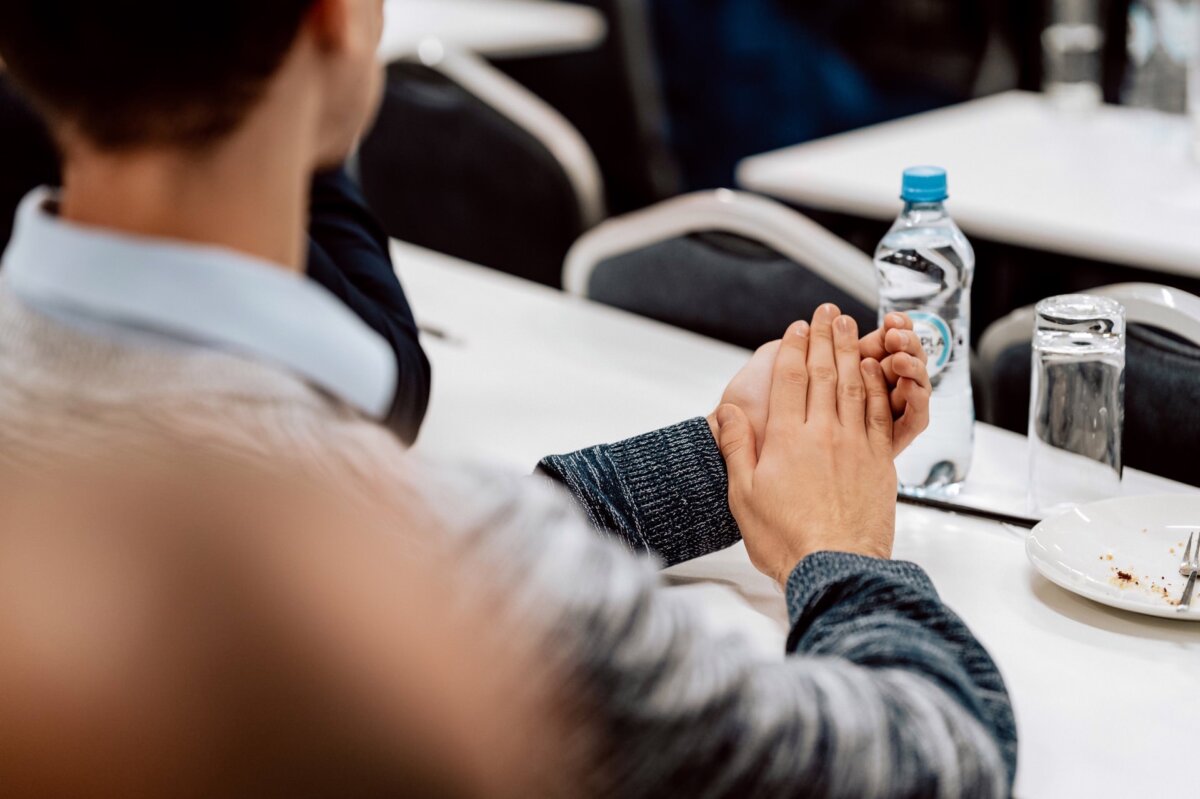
(809, 430)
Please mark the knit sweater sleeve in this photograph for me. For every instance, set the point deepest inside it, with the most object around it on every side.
(883, 692)
(664, 493)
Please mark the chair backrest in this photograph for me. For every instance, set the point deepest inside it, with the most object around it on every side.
(730, 265)
(1162, 377)
(29, 155)
(621, 111)
(1146, 304)
(465, 161)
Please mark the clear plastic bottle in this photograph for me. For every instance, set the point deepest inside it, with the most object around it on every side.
(925, 266)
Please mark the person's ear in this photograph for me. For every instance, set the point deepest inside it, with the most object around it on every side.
(329, 22)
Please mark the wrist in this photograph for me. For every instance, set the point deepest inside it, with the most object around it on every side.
(875, 552)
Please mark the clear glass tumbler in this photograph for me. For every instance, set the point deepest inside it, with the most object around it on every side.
(1072, 46)
(1077, 402)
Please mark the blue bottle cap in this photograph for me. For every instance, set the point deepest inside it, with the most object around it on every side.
(924, 184)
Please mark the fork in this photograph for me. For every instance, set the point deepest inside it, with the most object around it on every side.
(1189, 568)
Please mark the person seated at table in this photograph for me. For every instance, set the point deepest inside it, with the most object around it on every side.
(179, 623)
(347, 249)
(186, 175)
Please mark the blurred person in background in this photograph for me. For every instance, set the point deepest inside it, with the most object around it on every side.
(160, 286)
(177, 623)
(743, 77)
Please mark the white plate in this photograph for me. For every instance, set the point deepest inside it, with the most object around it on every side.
(1121, 552)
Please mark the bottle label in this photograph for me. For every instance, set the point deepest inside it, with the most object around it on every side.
(935, 337)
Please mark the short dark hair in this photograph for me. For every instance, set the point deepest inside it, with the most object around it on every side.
(133, 72)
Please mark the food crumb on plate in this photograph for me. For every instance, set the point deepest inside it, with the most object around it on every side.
(1125, 577)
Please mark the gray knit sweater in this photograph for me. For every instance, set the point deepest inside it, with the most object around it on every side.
(883, 692)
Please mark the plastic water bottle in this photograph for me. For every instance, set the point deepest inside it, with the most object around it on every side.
(925, 266)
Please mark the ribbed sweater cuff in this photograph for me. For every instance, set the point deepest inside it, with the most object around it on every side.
(665, 491)
(820, 572)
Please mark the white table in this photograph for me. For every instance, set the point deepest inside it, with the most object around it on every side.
(1116, 184)
(522, 371)
(490, 27)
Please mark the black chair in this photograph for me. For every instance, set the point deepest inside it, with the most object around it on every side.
(29, 158)
(464, 161)
(733, 266)
(611, 94)
(1162, 378)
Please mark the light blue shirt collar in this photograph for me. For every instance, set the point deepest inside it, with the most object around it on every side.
(200, 295)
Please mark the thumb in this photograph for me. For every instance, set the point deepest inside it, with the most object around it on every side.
(736, 439)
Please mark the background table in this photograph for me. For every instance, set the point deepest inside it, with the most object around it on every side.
(1115, 185)
(521, 371)
(490, 27)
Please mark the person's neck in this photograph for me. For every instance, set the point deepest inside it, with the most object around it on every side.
(248, 193)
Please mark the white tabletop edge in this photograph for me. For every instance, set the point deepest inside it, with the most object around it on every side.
(519, 28)
(796, 174)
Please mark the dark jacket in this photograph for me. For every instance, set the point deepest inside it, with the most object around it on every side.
(348, 255)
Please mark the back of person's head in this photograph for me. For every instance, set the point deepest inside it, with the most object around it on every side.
(184, 627)
(126, 73)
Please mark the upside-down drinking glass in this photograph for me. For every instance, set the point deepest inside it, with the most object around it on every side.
(1077, 402)
(1072, 47)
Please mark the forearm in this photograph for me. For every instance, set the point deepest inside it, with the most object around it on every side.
(885, 694)
(664, 493)
(887, 617)
(896, 715)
